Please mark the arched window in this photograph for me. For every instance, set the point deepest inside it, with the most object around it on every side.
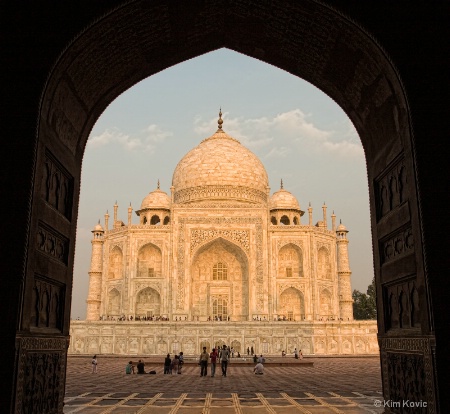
(273, 220)
(220, 271)
(220, 309)
(155, 220)
(296, 220)
(166, 220)
(285, 220)
(144, 221)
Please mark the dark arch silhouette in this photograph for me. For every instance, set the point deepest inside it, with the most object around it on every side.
(81, 57)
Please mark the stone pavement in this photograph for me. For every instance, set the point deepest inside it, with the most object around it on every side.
(331, 385)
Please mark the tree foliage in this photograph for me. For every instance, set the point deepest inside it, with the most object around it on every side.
(365, 304)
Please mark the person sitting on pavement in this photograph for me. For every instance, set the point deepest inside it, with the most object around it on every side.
(140, 367)
(259, 369)
(129, 369)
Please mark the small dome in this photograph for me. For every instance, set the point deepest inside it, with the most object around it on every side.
(157, 199)
(283, 200)
(98, 227)
(341, 227)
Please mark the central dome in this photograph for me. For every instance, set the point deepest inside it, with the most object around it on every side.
(220, 168)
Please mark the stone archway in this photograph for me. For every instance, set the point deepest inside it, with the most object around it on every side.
(219, 285)
(115, 48)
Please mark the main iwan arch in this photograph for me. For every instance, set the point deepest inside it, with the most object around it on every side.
(103, 51)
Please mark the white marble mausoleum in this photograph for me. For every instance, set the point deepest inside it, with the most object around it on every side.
(218, 260)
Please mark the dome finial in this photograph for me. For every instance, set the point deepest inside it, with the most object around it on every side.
(220, 121)
(157, 186)
(281, 186)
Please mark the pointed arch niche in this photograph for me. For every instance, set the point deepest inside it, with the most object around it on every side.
(148, 303)
(149, 261)
(290, 261)
(291, 305)
(113, 303)
(325, 303)
(207, 290)
(115, 263)
(323, 264)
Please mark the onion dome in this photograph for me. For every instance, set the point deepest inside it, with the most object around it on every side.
(156, 200)
(342, 228)
(220, 168)
(98, 227)
(283, 200)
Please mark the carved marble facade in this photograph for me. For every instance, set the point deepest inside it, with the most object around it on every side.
(221, 249)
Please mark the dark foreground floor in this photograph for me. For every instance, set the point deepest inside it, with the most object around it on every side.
(331, 385)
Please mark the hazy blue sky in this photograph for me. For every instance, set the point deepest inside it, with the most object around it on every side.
(299, 133)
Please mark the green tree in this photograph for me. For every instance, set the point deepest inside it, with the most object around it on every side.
(365, 304)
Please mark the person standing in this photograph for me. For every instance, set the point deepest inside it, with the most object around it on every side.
(295, 353)
(203, 361)
(248, 351)
(300, 354)
(213, 355)
(180, 361)
(94, 364)
(175, 365)
(224, 357)
(167, 363)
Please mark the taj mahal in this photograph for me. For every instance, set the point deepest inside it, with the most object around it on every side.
(220, 260)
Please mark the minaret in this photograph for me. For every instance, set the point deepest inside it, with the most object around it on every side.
(130, 211)
(95, 275)
(106, 220)
(333, 222)
(116, 206)
(324, 209)
(310, 214)
(344, 273)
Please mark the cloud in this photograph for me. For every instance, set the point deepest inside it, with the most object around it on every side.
(286, 132)
(145, 140)
(278, 152)
(156, 134)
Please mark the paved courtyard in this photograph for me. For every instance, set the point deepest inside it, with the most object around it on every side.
(330, 385)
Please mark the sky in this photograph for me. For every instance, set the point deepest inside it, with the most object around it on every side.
(300, 134)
